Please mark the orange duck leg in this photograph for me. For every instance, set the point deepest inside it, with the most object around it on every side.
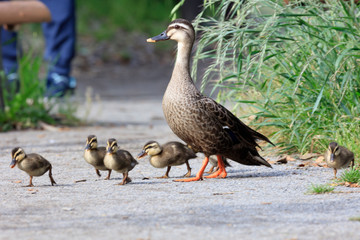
(221, 172)
(199, 175)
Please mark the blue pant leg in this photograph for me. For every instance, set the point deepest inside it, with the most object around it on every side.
(8, 48)
(60, 35)
(9, 53)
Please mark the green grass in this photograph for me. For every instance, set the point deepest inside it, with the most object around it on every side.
(26, 108)
(293, 66)
(350, 175)
(320, 189)
(354, 219)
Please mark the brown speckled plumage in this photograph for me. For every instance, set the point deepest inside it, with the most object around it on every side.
(167, 155)
(205, 125)
(33, 164)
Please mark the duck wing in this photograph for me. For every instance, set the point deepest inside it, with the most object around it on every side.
(234, 127)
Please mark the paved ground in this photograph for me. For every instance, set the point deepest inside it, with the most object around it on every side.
(252, 203)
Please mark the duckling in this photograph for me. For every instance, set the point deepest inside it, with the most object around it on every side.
(94, 155)
(119, 160)
(214, 164)
(33, 164)
(203, 124)
(168, 155)
(338, 157)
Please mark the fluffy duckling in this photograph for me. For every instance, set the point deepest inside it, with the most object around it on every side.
(214, 162)
(94, 155)
(168, 155)
(119, 160)
(338, 157)
(33, 164)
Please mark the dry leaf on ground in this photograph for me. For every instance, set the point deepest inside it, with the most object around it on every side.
(308, 156)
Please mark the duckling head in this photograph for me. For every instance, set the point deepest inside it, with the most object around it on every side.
(17, 155)
(91, 142)
(179, 30)
(151, 148)
(334, 150)
(112, 146)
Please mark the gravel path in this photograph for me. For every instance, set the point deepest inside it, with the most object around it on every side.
(252, 203)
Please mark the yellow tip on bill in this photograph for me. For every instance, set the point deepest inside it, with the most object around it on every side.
(150, 40)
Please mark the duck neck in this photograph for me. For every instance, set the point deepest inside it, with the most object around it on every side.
(182, 65)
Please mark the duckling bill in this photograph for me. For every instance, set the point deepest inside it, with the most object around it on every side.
(33, 164)
(337, 157)
(168, 155)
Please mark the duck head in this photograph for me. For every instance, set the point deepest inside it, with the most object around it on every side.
(112, 146)
(151, 148)
(334, 150)
(91, 142)
(17, 155)
(179, 30)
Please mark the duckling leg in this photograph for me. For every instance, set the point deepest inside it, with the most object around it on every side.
(98, 172)
(166, 174)
(199, 175)
(126, 179)
(221, 172)
(335, 171)
(210, 170)
(188, 168)
(30, 183)
(108, 176)
(51, 178)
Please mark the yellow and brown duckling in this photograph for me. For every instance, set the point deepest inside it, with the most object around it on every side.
(119, 160)
(337, 157)
(214, 164)
(33, 164)
(168, 155)
(94, 155)
(203, 124)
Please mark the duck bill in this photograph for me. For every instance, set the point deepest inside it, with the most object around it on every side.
(331, 157)
(87, 147)
(13, 163)
(142, 154)
(161, 37)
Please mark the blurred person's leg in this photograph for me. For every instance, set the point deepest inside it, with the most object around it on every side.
(8, 48)
(60, 40)
(9, 55)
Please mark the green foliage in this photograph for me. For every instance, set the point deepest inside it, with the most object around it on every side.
(354, 219)
(294, 66)
(103, 18)
(320, 188)
(25, 108)
(350, 175)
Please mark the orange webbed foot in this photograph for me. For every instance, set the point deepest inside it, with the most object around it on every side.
(199, 175)
(193, 179)
(221, 172)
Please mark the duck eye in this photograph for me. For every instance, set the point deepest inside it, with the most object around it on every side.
(177, 26)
